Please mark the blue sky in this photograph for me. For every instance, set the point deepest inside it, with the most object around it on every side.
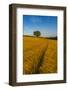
(47, 25)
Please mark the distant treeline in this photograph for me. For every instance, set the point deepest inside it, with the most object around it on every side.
(54, 38)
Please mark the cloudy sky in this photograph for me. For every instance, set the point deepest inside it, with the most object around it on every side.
(47, 25)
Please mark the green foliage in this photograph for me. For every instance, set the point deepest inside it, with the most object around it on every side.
(37, 33)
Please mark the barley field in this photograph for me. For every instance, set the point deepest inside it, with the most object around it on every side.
(40, 55)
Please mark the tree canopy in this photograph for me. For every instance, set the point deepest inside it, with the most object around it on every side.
(37, 33)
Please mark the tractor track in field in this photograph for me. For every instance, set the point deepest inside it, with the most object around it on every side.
(39, 55)
(41, 59)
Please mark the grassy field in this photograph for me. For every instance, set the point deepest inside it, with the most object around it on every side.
(40, 55)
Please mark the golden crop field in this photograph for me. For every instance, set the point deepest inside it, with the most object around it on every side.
(40, 55)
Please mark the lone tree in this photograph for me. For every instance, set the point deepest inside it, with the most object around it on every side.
(37, 33)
